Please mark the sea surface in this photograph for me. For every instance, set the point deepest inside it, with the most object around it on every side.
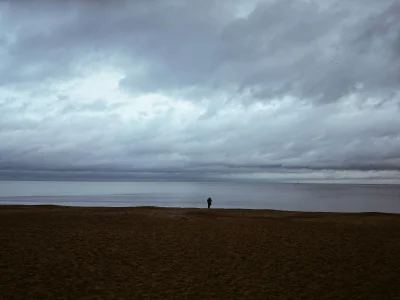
(281, 196)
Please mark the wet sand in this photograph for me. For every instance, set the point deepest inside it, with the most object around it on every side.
(51, 252)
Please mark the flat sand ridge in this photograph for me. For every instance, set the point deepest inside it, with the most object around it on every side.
(54, 252)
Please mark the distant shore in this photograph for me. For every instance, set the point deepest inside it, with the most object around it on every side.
(55, 252)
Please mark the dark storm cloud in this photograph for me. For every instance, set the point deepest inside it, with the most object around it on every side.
(280, 48)
(199, 87)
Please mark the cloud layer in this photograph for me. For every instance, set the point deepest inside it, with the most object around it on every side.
(272, 90)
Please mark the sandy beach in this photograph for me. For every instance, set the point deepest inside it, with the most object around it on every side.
(51, 252)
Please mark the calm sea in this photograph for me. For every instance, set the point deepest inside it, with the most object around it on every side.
(281, 196)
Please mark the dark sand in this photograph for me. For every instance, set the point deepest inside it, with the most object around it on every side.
(49, 252)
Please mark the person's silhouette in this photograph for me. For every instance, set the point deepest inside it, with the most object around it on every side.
(209, 202)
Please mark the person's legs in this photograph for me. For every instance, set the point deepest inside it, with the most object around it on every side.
(208, 204)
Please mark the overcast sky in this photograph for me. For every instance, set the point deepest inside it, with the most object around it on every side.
(210, 89)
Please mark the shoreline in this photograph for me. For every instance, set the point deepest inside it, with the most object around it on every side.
(225, 211)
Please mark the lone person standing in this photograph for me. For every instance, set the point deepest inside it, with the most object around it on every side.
(209, 202)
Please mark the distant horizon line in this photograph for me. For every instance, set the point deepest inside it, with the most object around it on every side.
(259, 181)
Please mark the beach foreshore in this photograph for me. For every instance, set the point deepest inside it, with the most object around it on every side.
(54, 252)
